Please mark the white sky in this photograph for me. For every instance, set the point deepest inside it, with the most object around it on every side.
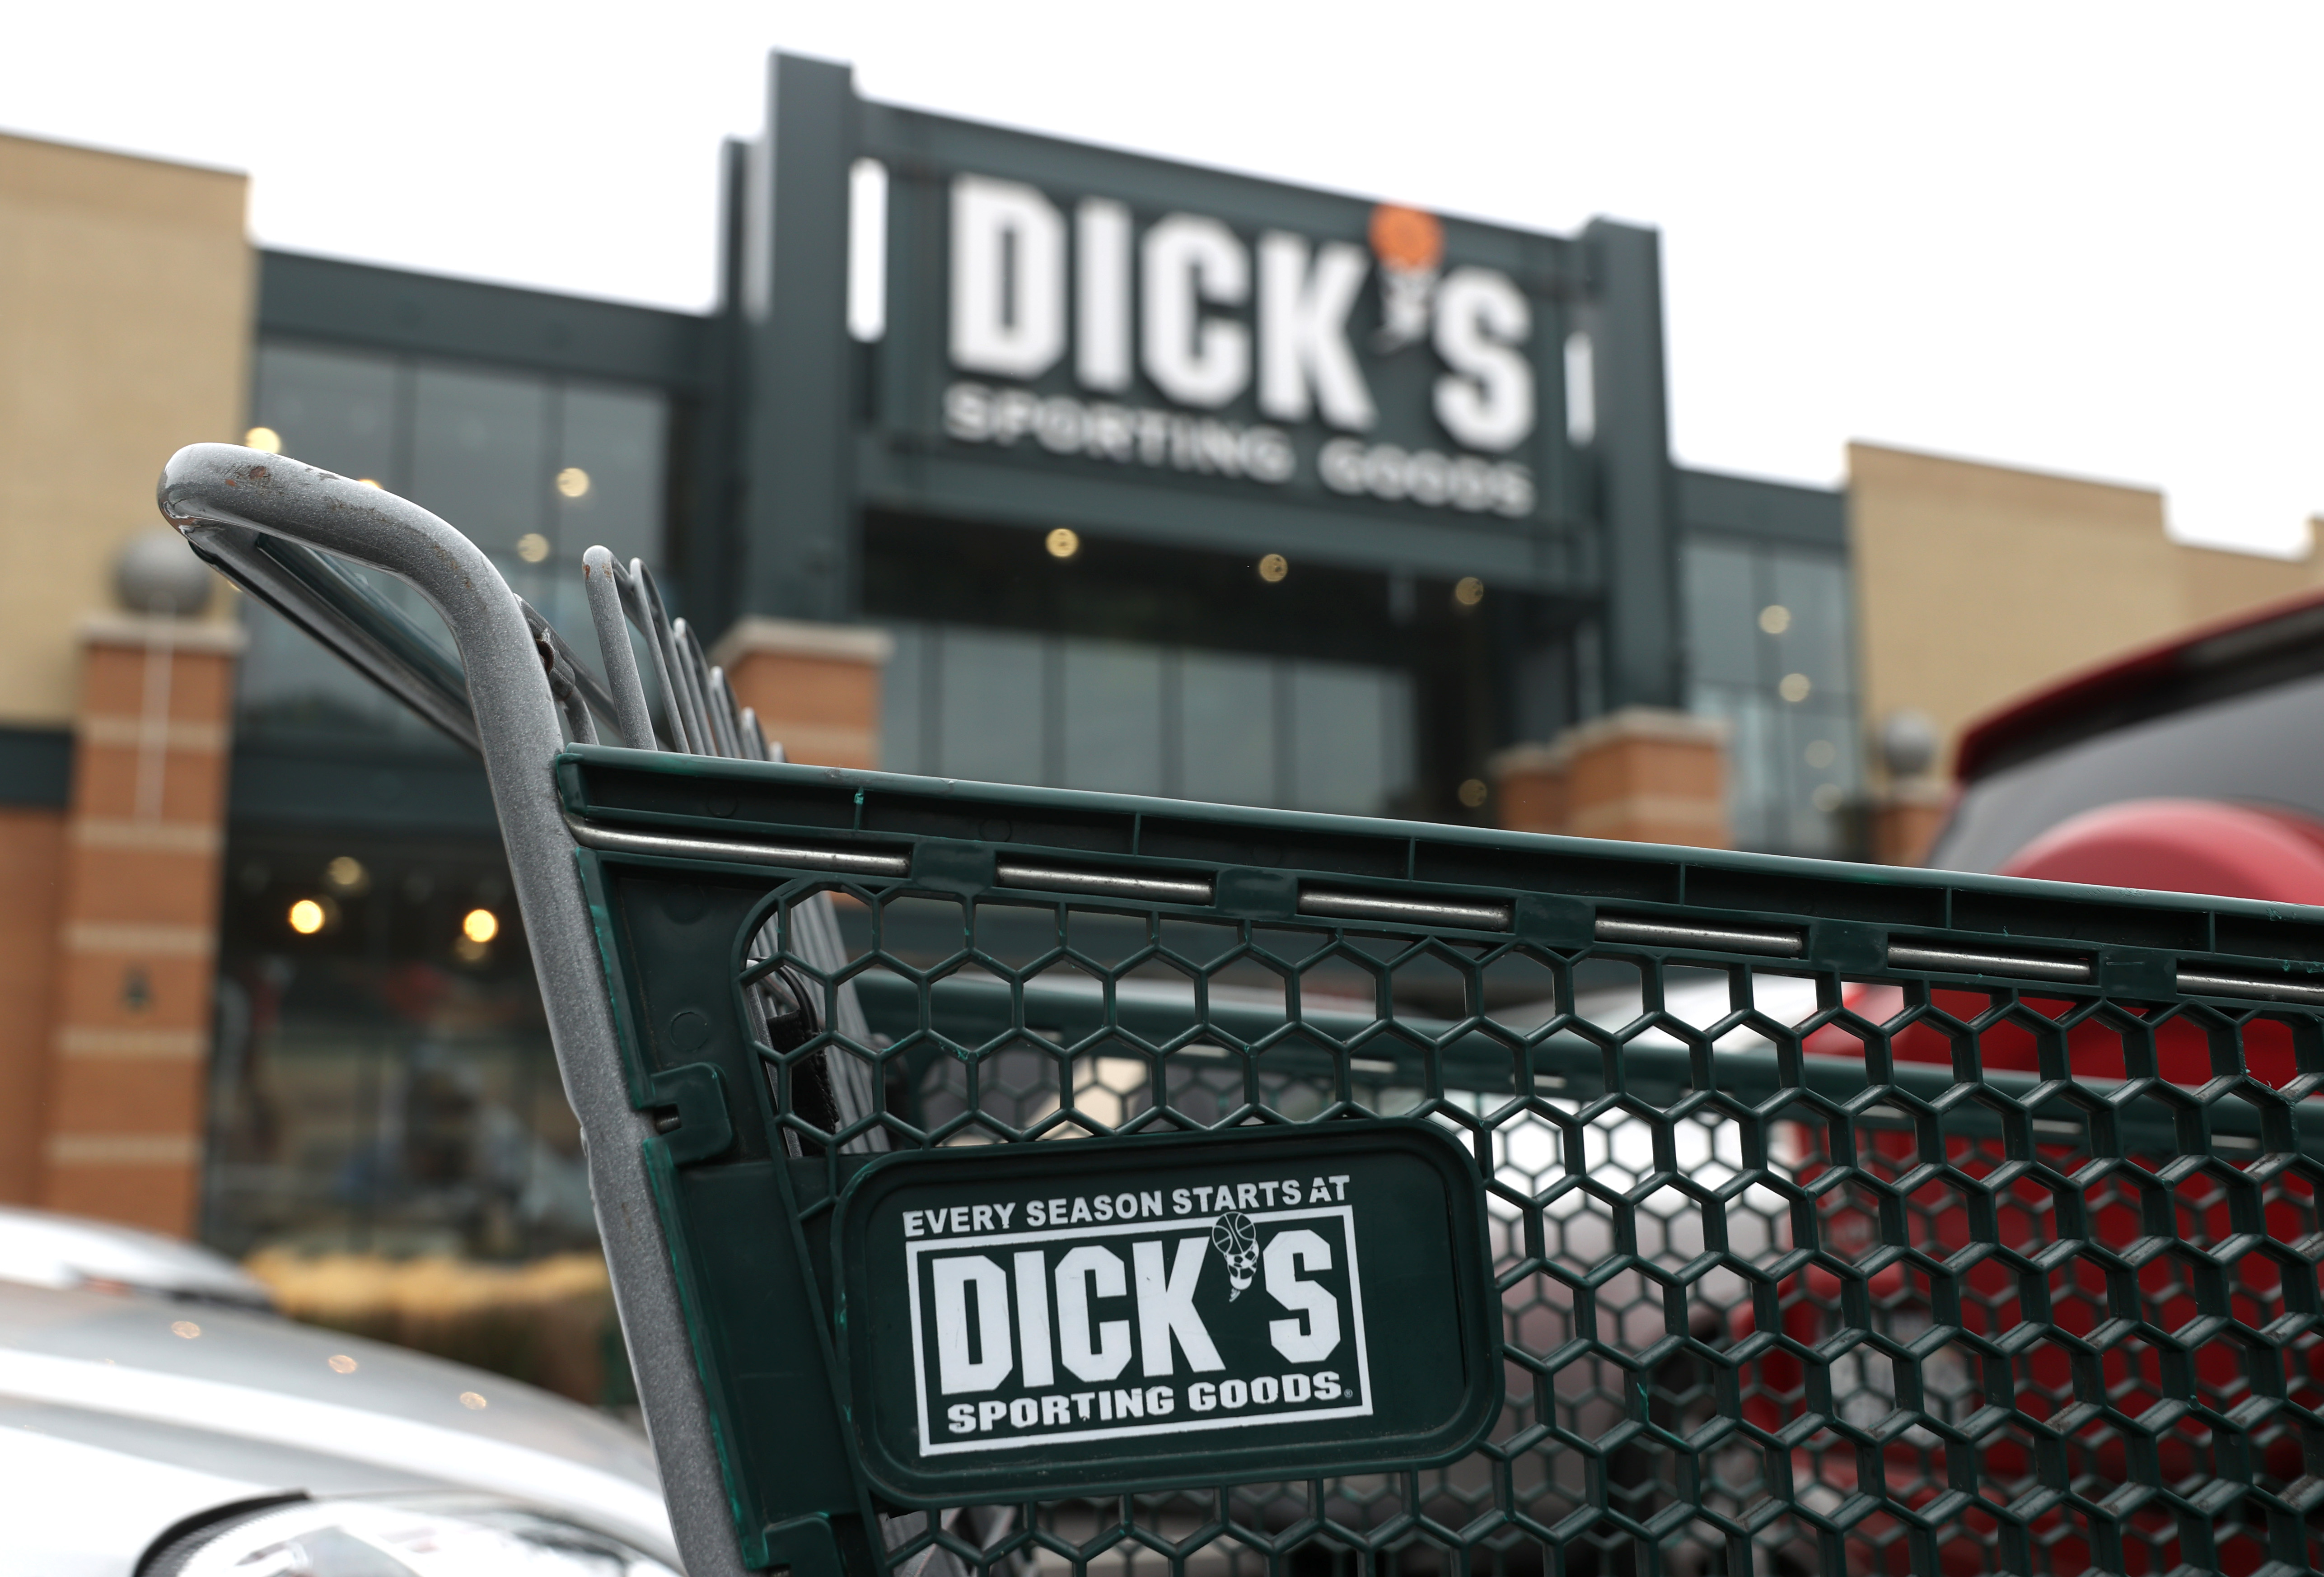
(2078, 237)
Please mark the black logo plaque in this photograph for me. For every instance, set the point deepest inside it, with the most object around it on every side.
(1167, 1310)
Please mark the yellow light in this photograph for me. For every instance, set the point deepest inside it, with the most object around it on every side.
(341, 1363)
(1470, 592)
(347, 875)
(1774, 618)
(307, 917)
(573, 481)
(369, 482)
(480, 925)
(1273, 567)
(1064, 542)
(1795, 687)
(473, 1402)
(1472, 792)
(262, 438)
(532, 547)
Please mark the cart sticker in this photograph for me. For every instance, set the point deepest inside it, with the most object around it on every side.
(1125, 1314)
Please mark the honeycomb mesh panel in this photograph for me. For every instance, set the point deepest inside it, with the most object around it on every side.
(1800, 1271)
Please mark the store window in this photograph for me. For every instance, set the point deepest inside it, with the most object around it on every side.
(384, 1081)
(534, 469)
(1009, 707)
(1770, 650)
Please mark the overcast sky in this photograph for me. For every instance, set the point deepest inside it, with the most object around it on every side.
(2078, 237)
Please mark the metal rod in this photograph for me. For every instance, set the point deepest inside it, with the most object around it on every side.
(1707, 938)
(720, 702)
(683, 652)
(215, 491)
(600, 577)
(1104, 883)
(2204, 984)
(1959, 961)
(564, 664)
(754, 738)
(645, 607)
(1405, 911)
(801, 856)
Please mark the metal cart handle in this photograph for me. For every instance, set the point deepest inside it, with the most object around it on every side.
(261, 518)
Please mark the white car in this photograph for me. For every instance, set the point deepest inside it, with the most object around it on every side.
(165, 1433)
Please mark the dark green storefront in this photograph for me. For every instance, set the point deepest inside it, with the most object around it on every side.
(1347, 515)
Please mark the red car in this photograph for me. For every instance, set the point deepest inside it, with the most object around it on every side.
(2152, 1318)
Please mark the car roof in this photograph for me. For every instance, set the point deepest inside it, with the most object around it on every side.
(217, 1385)
(48, 1250)
(2275, 641)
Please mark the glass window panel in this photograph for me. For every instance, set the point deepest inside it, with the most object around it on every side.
(1339, 738)
(1815, 588)
(332, 409)
(1227, 728)
(992, 702)
(480, 453)
(1820, 762)
(901, 709)
(1112, 716)
(1752, 770)
(1722, 614)
(1398, 731)
(617, 440)
(287, 682)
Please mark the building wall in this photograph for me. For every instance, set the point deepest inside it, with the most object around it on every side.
(125, 291)
(125, 303)
(1975, 583)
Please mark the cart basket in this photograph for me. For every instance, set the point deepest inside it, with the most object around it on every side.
(1009, 1179)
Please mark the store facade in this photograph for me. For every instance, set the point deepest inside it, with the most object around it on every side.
(1000, 457)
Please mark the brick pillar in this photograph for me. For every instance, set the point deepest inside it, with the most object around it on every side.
(137, 932)
(31, 876)
(815, 686)
(1905, 818)
(1528, 787)
(1647, 776)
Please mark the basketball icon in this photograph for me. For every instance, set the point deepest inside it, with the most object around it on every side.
(1236, 1241)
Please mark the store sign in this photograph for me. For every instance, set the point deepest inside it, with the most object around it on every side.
(1185, 345)
(1141, 1310)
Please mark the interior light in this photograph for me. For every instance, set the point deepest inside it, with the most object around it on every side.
(480, 925)
(347, 875)
(1065, 542)
(307, 917)
(1795, 687)
(573, 481)
(532, 547)
(1273, 567)
(262, 438)
(1473, 792)
(1470, 592)
(1774, 618)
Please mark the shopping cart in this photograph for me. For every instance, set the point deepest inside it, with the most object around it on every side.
(1009, 1179)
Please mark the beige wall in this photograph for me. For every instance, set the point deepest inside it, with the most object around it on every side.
(125, 302)
(1977, 583)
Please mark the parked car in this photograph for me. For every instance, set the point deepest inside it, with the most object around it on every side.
(2195, 764)
(43, 1249)
(151, 1427)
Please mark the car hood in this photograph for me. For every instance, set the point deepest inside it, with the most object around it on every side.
(218, 1405)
